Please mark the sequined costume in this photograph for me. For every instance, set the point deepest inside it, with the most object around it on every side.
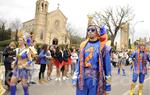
(21, 69)
(93, 73)
(139, 58)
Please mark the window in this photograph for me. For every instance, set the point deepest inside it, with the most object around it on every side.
(41, 35)
(57, 23)
(42, 7)
(45, 6)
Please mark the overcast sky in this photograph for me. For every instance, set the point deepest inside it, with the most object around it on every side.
(76, 11)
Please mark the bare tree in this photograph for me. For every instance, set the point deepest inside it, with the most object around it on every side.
(75, 38)
(3, 23)
(114, 19)
(15, 26)
(71, 30)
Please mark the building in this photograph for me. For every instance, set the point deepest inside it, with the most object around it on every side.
(48, 27)
(124, 36)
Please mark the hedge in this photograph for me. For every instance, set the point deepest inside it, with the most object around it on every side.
(3, 44)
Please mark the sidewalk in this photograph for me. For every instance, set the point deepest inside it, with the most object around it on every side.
(36, 72)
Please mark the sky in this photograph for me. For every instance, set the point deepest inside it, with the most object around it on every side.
(77, 10)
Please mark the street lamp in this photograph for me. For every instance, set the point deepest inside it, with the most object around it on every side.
(132, 33)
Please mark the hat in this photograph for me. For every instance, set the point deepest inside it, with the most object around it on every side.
(92, 22)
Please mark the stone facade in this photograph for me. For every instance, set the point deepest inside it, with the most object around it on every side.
(48, 27)
(124, 36)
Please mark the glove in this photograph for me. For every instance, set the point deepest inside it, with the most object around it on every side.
(108, 79)
(108, 84)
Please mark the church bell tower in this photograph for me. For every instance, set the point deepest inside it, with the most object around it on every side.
(40, 20)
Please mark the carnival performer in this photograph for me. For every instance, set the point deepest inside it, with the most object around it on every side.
(33, 51)
(23, 61)
(58, 62)
(139, 58)
(65, 62)
(122, 62)
(92, 75)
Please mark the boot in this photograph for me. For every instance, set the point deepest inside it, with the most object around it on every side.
(123, 70)
(119, 71)
(140, 89)
(13, 90)
(132, 89)
(25, 88)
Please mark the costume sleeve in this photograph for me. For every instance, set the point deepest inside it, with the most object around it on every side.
(107, 67)
(132, 57)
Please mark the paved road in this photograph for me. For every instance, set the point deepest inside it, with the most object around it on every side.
(120, 85)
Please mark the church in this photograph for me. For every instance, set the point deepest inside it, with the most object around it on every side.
(48, 27)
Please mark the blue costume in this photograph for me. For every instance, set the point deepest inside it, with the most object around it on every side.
(140, 59)
(20, 73)
(93, 73)
(21, 70)
(121, 63)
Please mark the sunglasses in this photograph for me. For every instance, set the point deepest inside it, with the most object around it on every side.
(91, 29)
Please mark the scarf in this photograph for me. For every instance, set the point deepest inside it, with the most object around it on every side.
(101, 83)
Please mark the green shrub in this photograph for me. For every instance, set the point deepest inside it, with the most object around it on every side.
(3, 44)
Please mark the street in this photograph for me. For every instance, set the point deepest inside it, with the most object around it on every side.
(120, 85)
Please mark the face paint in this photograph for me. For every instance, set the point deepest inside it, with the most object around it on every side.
(92, 32)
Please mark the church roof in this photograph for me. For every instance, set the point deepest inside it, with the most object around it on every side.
(32, 20)
(57, 11)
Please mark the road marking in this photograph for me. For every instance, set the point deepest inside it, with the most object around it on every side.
(127, 92)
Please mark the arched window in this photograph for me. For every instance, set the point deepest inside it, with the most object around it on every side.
(42, 7)
(46, 6)
(41, 35)
(57, 23)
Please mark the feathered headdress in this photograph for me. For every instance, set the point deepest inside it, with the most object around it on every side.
(26, 36)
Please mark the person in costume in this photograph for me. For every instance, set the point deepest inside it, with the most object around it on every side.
(58, 62)
(65, 62)
(33, 51)
(22, 64)
(122, 62)
(139, 58)
(93, 72)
